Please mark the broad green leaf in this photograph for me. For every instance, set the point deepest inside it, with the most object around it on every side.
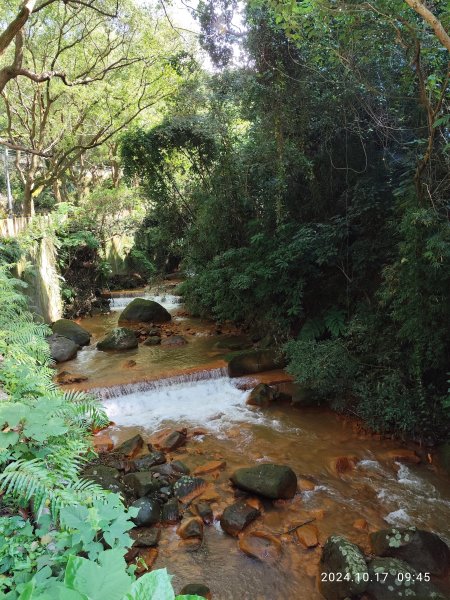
(98, 582)
(155, 586)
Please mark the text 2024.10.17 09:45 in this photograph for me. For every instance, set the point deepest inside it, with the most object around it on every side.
(374, 577)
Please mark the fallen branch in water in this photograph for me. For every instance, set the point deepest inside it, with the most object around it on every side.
(292, 529)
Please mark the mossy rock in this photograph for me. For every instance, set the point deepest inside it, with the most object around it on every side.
(268, 480)
(391, 579)
(423, 550)
(141, 310)
(72, 331)
(342, 569)
(255, 361)
(119, 338)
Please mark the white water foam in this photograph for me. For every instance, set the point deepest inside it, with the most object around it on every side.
(215, 401)
(169, 301)
(398, 517)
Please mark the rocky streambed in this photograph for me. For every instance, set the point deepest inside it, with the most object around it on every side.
(247, 490)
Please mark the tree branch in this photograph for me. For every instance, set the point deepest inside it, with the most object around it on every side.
(20, 148)
(419, 7)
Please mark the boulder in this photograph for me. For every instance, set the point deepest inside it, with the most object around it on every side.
(174, 440)
(153, 340)
(237, 516)
(174, 340)
(149, 460)
(187, 488)
(130, 447)
(149, 512)
(391, 579)
(268, 480)
(61, 348)
(141, 310)
(105, 477)
(170, 512)
(341, 558)
(143, 483)
(119, 338)
(262, 396)
(260, 545)
(196, 589)
(423, 550)
(255, 361)
(146, 537)
(191, 528)
(72, 331)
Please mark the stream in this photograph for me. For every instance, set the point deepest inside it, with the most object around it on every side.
(187, 386)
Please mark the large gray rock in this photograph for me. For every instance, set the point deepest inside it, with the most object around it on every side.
(149, 512)
(268, 480)
(423, 550)
(72, 331)
(119, 338)
(141, 310)
(342, 570)
(61, 348)
(255, 361)
(391, 579)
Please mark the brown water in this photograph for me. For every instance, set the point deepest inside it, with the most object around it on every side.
(378, 490)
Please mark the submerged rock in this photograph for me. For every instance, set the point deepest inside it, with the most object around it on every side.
(72, 331)
(141, 310)
(268, 480)
(65, 377)
(119, 338)
(339, 556)
(174, 340)
(423, 550)
(260, 545)
(391, 579)
(149, 512)
(204, 511)
(262, 396)
(255, 361)
(191, 528)
(308, 536)
(152, 340)
(61, 348)
(196, 589)
(237, 516)
(170, 512)
(180, 467)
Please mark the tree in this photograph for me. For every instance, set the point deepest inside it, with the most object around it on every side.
(104, 74)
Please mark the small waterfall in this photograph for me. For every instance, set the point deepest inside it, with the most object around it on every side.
(116, 391)
(120, 301)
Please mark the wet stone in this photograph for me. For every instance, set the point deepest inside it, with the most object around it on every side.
(204, 511)
(170, 512)
(130, 447)
(149, 460)
(268, 480)
(180, 467)
(174, 440)
(261, 545)
(196, 589)
(341, 556)
(191, 528)
(149, 512)
(423, 550)
(152, 340)
(143, 483)
(145, 536)
(237, 516)
(105, 477)
(188, 488)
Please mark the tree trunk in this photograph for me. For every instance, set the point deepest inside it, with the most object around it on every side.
(28, 202)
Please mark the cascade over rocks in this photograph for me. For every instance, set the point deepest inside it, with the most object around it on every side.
(61, 348)
(141, 310)
(72, 331)
(341, 556)
(119, 338)
(268, 480)
(255, 361)
(237, 516)
(423, 550)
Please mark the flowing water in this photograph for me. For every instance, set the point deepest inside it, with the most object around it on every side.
(309, 439)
